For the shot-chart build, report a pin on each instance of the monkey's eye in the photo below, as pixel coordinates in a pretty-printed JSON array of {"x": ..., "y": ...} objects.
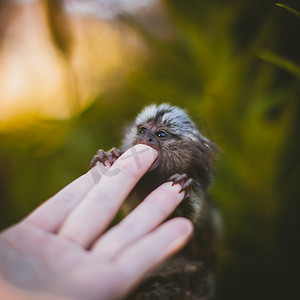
[
  {"x": 161, "y": 134},
  {"x": 142, "y": 130}
]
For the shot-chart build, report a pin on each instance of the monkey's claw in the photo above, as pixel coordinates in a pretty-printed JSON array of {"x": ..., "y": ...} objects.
[
  {"x": 184, "y": 181},
  {"x": 110, "y": 156}
]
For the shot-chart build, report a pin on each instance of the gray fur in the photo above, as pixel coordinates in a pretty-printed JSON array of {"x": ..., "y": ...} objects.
[{"x": 175, "y": 118}]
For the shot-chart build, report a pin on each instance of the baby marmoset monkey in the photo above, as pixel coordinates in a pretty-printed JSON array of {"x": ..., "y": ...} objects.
[{"x": 185, "y": 156}]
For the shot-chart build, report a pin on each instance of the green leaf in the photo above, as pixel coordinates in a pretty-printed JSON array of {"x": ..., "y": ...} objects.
[
  {"x": 291, "y": 10},
  {"x": 280, "y": 62}
]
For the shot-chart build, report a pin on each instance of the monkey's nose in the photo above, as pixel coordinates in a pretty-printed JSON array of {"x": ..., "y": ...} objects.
[
  {"x": 148, "y": 137},
  {"x": 148, "y": 140}
]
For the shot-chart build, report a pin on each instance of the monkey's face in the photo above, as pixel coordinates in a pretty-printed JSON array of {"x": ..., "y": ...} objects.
[
  {"x": 155, "y": 136},
  {"x": 173, "y": 152}
]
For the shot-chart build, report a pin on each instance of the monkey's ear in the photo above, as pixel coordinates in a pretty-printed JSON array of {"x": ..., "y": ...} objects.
[
  {"x": 129, "y": 133},
  {"x": 214, "y": 148},
  {"x": 195, "y": 136}
]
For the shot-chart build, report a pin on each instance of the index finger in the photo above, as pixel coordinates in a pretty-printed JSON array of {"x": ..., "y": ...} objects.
[
  {"x": 94, "y": 213},
  {"x": 52, "y": 212}
]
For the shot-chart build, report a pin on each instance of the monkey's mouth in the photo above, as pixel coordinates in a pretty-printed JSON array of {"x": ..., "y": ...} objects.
[{"x": 154, "y": 165}]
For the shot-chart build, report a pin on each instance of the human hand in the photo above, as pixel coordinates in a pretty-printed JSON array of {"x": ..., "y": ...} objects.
[{"x": 61, "y": 250}]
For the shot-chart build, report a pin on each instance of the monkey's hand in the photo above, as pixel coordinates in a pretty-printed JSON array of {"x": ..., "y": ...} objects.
[
  {"x": 106, "y": 157},
  {"x": 184, "y": 181}
]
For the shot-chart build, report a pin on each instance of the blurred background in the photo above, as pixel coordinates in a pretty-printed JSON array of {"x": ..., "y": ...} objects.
[{"x": 73, "y": 73}]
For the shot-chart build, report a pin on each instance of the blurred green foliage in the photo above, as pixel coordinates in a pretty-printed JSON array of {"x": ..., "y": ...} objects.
[
  {"x": 220, "y": 64},
  {"x": 291, "y": 10}
]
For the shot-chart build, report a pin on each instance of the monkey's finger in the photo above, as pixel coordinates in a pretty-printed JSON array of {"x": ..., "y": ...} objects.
[
  {"x": 152, "y": 249},
  {"x": 116, "y": 152},
  {"x": 102, "y": 156},
  {"x": 173, "y": 177},
  {"x": 52, "y": 213},
  {"x": 94, "y": 161},
  {"x": 187, "y": 184},
  {"x": 180, "y": 178},
  {"x": 94, "y": 213},
  {"x": 144, "y": 218},
  {"x": 110, "y": 158}
]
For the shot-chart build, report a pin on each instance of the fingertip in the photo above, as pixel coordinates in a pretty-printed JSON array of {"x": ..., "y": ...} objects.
[
  {"x": 137, "y": 159},
  {"x": 181, "y": 230},
  {"x": 173, "y": 188},
  {"x": 145, "y": 148},
  {"x": 184, "y": 226}
]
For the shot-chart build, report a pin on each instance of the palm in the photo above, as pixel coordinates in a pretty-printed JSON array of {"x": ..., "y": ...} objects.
[{"x": 57, "y": 249}]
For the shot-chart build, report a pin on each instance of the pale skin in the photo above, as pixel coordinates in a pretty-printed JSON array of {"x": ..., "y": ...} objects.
[{"x": 63, "y": 249}]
